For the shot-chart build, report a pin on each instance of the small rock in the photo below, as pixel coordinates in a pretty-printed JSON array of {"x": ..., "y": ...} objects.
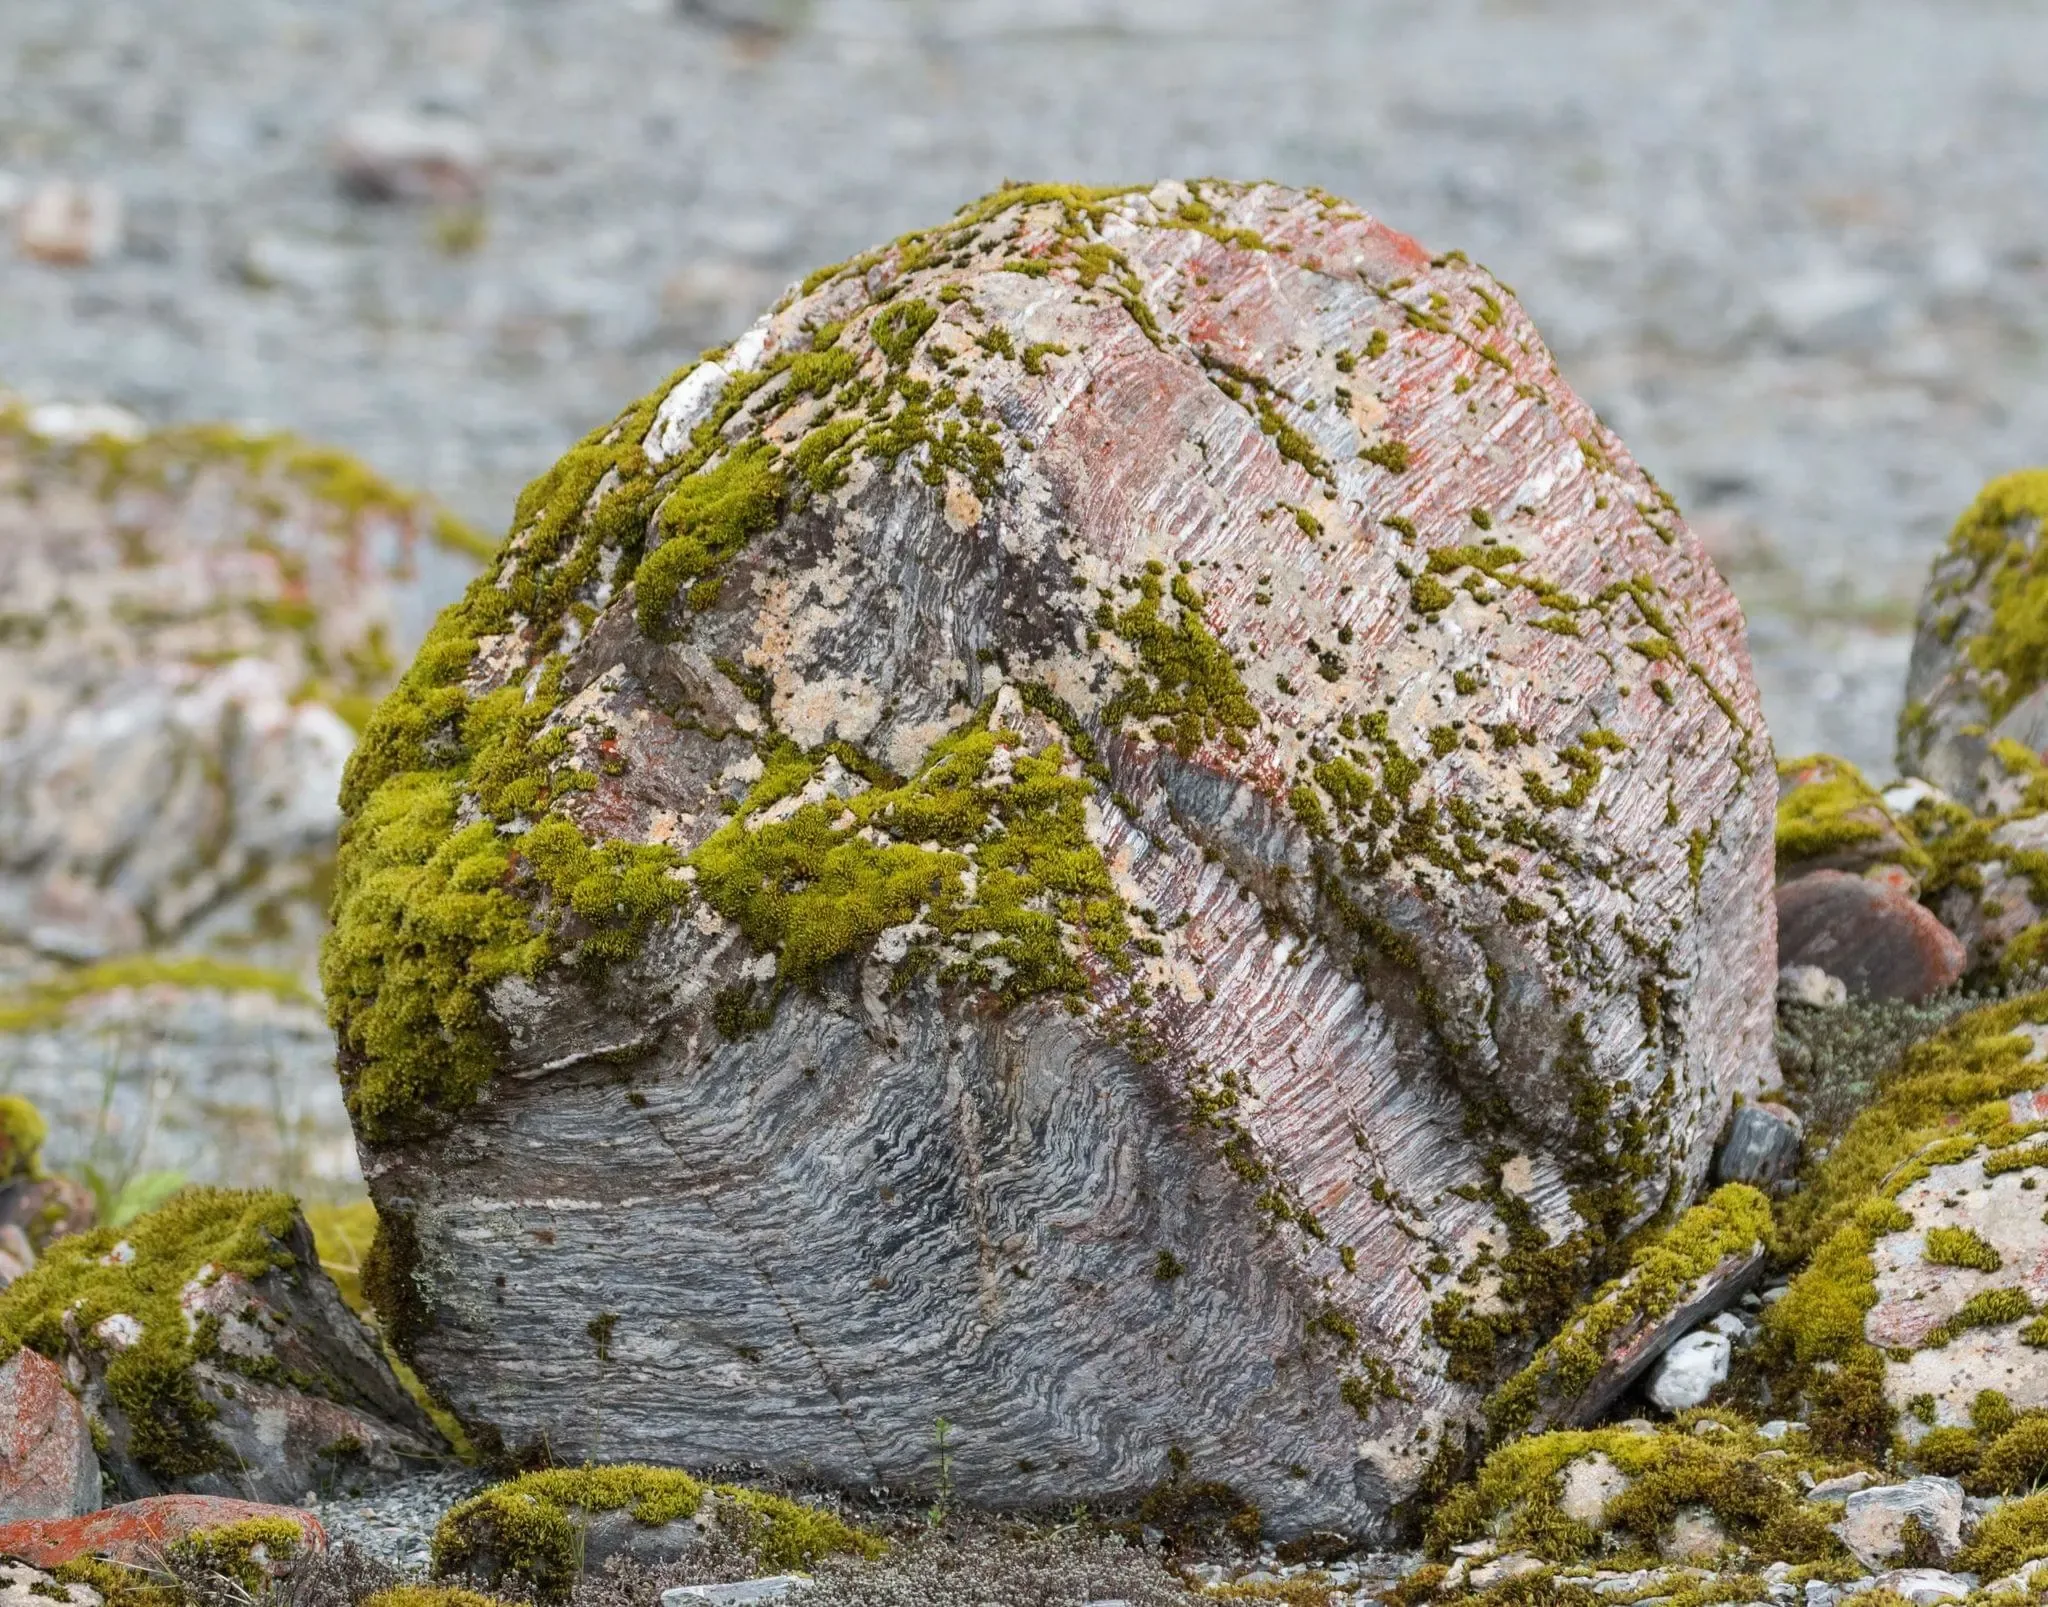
[
  {"x": 70, "y": 225},
  {"x": 23, "y": 1586},
  {"x": 397, "y": 156},
  {"x": 138, "y": 1531},
  {"x": 1872, "y": 1519},
  {"x": 1810, "y": 985},
  {"x": 1762, "y": 1146},
  {"x": 1589, "y": 1484},
  {"x": 1501, "y": 1569},
  {"x": 84, "y": 421},
  {"x": 1776, "y": 1429},
  {"x": 48, "y": 1468},
  {"x": 1924, "y": 1586},
  {"x": 1685, "y": 1375},
  {"x": 1903, "y": 797},
  {"x": 1819, "y": 1593},
  {"x": 737, "y": 1594},
  {"x": 1695, "y": 1535},
  {"x": 1840, "y": 1489},
  {"x": 2020, "y": 1579},
  {"x": 1731, "y": 1327},
  {"x": 1876, "y": 941}
]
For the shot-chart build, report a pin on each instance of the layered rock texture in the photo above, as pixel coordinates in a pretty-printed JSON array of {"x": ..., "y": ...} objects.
[
  {"x": 1126, "y": 826},
  {"x": 195, "y": 622}
]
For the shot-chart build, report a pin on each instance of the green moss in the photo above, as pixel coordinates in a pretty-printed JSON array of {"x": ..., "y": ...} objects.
[
  {"x": 247, "y": 1553},
  {"x": 1837, "y": 811},
  {"x": 526, "y": 1532},
  {"x": 706, "y": 520},
  {"x": 2014, "y": 1534},
  {"x": 1186, "y": 690},
  {"x": 46, "y": 1002},
  {"x": 1988, "y": 1308},
  {"x": 81, "y": 1283},
  {"x": 430, "y": 1596},
  {"x": 1734, "y": 1221},
  {"x": 2016, "y": 1460},
  {"x": 1999, "y": 533},
  {"x": 22, "y": 1132},
  {"x": 1960, "y": 1247},
  {"x": 817, "y": 886},
  {"x": 1750, "y": 1486},
  {"x": 1389, "y": 455}
]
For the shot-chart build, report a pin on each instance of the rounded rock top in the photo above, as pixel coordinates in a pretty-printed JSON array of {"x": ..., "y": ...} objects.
[{"x": 1185, "y": 644}]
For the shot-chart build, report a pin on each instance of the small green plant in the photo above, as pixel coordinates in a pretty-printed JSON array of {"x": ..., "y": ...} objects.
[{"x": 941, "y": 1440}]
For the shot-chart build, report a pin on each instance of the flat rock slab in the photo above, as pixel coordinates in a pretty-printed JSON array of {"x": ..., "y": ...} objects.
[
  {"x": 48, "y": 1468},
  {"x": 137, "y": 1531},
  {"x": 1876, "y": 939}
]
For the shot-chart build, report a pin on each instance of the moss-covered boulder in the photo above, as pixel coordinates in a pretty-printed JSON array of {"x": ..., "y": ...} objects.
[
  {"x": 537, "y": 1534},
  {"x": 214, "y": 1356},
  {"x": 1126, "y": 826},
  {"x": 1918, "y": 1311},
  {"x": 193, "y": 624},
  {"x": 1979, "y": 673}
]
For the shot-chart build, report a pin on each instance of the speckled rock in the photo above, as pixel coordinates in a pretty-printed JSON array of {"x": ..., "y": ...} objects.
[
  {"x": 136, "y": 1532},
  {"x": 193, "y": 621},
  {"x": 1977, "y": 673},
  {"x": 47, "y": 1465},
  {"x": 1125, "y": 785},
  {"x": 1873, "y": 1521},
  {"x": 1877, "y": 940}
]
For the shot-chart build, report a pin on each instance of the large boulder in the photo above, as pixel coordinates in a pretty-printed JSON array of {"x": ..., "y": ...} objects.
[
  {"x": 196, "y": 621},
  {"x": 1126, "y": 827}
]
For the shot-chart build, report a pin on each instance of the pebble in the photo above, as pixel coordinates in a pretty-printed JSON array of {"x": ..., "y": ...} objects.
[
  {"x": 70, "y": 224},
  {"x": 1685, "y": 1375}
]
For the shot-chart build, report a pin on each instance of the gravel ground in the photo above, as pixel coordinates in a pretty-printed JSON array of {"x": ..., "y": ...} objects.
[
  {"x": 396, "y": 1525},
  {"x": 1796, "y": 253}
]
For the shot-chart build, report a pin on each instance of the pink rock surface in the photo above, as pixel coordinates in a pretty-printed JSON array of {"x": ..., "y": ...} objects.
[
  {"x": 138, "y": 1531},
  {"x": 47, "y": 1465},
  {"x": 1875, "y": 938}
]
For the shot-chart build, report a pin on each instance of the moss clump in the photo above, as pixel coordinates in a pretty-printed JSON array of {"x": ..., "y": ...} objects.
[
  {"x": 2000, "y": 533},
  {"x": 45, "y": 1003},
  {"x": 1750, "y": 1486},
  {"x": 1831, "y": 814},
  {"x": 1187, "y": 690},
  {"x": 2016, "y": 1460},
  {"x": 823, "y": 882},
  {"x": 706, "y": 520},
  {"x": 247, "y": 1554},
  {"x": 2014, "y": 1534},
  {"x": 22, "y": 1131},
  {"x": 1734, "y": 1221},
  {"x": 1960, "y": 1247},
  {"x": 430, "y": 1596},
  {"x": 150, "y": 1380},
  {"x": 526, "y": 1530},
  {"x": 1945, "y": 1102}
]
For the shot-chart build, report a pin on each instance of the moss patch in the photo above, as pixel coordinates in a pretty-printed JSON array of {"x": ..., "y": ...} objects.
[
  {"x": 1735, "y": 1220},
  {"x": 1187, "y": 690},
  {"x": 2000, "y": 532},
  {"x": 150, "y": 1380},
  {"x": 46, "y": 1002},
  {"x": 526, "y": 1531},
  {"x": 1749, "y": 1485},
  {"x": 248, "y": 1554},
  {"x": 1831, "y": 813}
]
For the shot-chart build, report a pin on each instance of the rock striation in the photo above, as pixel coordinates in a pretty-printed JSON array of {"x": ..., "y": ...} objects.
[
  {"x": 1125, "y": 826},
  {"x": 195, "y": 623}
]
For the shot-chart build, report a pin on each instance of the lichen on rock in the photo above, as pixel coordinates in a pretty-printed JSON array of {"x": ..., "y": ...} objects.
[{"x": 986, "y": 721}]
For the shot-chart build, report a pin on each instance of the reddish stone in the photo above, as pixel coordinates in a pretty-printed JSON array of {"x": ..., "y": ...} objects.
[
  {"x": 139, "y": 1531},
  {"x": 48, "y": 1468},
  {"x": 1875, "y": 939}
]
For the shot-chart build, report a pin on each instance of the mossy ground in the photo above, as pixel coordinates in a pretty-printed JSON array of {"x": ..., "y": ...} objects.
[
  {"x": 46, "y": 1002},
  {"x": 527, "y": 1531},
  {"x": 85, "y": 1279},
  {"x": 1713, "y": 1460},
  {"x": 1833, "y": 812},
  {"x": 2000, "y": 533}
]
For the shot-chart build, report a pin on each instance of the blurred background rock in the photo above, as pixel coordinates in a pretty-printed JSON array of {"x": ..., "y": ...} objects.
[{"x": 1796, "y": 254}]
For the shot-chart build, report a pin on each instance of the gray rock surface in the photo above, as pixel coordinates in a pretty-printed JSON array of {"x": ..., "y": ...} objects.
[
  {"x": 1762, "y": 1146},
  {"x": 1339, "y": 912},
  {"x": 1685, "y": 1375},
  {"x": 1872, "y": 1520},
  {"x": 47, "y": 1465},
  {"x": 1794, "y": 255}
]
